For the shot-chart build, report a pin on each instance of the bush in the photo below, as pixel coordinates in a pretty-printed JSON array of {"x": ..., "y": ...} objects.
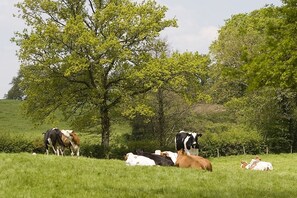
[
  {"x": 236, "y": 140},
  {"x": 15, "y": 144}
]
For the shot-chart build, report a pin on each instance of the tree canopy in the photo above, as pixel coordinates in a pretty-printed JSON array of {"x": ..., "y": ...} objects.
[{"x": 79, "y": 56}]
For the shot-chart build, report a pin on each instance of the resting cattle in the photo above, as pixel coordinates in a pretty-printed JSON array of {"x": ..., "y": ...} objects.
[
  {"x": 70, "y": 140},
  {"x": 186, "y": 140},
  {"x": 134, "y": 160},
  {"x": 169, "y": 154},
  {"x": 257, "y": 164},
  {"x": 159, "y": 159},
  {"x": 185, "y": 160},
  {"x": 51, "y": 138}
]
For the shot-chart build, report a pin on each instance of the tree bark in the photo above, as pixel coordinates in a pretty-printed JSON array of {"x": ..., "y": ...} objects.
[
  {"x": 161, "y": 117},
  {"x": 105, "y": 127}
]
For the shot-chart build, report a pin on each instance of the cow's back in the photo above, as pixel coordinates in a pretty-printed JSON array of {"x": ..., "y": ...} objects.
[{"x": 204, "y": 162}]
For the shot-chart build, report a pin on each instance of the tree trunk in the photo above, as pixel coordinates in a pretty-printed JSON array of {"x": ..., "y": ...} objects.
[
  {"x": 161, "y": 117},
  {"x": 105, "y": 126}
]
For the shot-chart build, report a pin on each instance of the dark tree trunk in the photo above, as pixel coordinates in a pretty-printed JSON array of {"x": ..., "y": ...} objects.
[
  {"x": 105, "y": 126},
  {"x": 161, "y": 118}
]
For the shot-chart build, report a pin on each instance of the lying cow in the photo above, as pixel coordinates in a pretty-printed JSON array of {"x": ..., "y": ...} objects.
[
  {"x": 169, "y": 154},
  {"x": 186, "y": 140},
  {"x": 134, "y": 160},
  {"x": 257, "y": 164},
  {"x": 159, "y": 159},
  {"x": 185, "y": 160}
]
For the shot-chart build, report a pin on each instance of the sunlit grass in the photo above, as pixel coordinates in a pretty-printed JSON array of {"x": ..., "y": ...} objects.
[{"x": 26, "y": 175}]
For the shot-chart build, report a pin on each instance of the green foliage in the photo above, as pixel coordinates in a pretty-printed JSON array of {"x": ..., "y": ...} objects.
[
  {"x": 235, "y": 140},
  {"x": 15, "y": 92},
  {"x": 78, "y": 56},
  {"x": 36, "y": 176},
  {"x": 254, "y": 72}
]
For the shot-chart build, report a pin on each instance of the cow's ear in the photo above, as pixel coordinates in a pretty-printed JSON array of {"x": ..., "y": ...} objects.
[{"x": 199, "y": 134}]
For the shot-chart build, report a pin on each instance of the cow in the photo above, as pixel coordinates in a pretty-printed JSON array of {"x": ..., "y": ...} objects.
[
  {"x": 169, "y": 154},
  {"x": 257, "y": 164},
  {"x": 70, "y": 140},
  {"x": 138, "y": 160},
  {"x": 186, "y": 140},
  {"x": 185, "y": 160},
  {"x": 51, "y": 138},
  {"x": 159, "y": 159}
]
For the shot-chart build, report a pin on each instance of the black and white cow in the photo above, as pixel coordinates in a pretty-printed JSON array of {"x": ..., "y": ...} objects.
[
  {"x": 159, "y": 159},
  {"x": 186, "y": 140},
  {"x": 51, "y": 138}
]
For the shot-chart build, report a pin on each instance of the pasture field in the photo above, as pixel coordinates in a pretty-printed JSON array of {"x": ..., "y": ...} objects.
[
  {"x": 14, "y": 122},
  {"x": 27, "y": 175},
  {"x": 14, "y": 125}
]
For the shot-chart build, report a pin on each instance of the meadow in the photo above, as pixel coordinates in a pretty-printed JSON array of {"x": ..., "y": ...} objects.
[{"x": 27, "y": 175}]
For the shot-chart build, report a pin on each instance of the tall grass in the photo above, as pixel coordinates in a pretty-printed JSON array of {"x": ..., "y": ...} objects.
[{"x": 26, "y": 175}]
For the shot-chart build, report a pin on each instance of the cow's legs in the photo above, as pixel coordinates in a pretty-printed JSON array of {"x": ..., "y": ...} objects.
[
  {"x": 51, "y": 144},
  {"x": 77, "y": 152}
]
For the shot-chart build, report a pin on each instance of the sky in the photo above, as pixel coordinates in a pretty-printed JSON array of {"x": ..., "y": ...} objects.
[{"x": 198, "y": 22}]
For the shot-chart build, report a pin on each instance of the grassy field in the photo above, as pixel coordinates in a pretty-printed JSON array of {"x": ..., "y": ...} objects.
[
  {"x": 13, "y": 123},
  {"x": 26, "y": 175}
]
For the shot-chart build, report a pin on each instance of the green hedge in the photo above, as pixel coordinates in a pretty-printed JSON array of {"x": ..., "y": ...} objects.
[{"x": 233, "y": 142}]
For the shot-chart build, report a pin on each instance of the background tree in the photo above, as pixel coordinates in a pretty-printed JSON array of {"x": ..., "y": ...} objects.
[
  {"x": 179, "y": 83},
  {"x": 80, "y": 56},
  {"x": 257, "y": 50},
  {"x": 15, "y": 92}
]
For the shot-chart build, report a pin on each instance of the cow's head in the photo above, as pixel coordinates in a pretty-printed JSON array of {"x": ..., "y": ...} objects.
[{"x": 193, "y": 141}]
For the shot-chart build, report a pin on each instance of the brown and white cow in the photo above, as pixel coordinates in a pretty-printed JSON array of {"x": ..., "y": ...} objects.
[
  {"x": 185, "y": 160},
  {"x": 58, "y": 140},
  {"x": 70, "y": 140},
  {"x": 257, "y": 164}
]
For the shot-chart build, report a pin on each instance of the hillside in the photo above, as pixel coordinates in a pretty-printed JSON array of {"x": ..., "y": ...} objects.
[{"x": 12, "y": 120}]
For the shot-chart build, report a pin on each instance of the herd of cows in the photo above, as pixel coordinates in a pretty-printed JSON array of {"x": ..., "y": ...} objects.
[{"x": 59, "y": 140}]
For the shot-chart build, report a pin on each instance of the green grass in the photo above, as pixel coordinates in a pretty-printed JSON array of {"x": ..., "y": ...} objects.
[
  {"x": 26, "y": 175},
  {"x": 14, "y": 123}
]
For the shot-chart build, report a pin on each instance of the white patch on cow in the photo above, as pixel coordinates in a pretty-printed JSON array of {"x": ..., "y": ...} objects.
[
  {"x": 194, "y": 136},
  {"x": 185, "y": 145},
  {"x": 67, "y": 133}
]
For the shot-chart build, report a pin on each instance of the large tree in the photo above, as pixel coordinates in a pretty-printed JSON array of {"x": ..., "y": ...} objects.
[
  {"x": 79, "y": 56},
  {"x": 257, "y": 52}
]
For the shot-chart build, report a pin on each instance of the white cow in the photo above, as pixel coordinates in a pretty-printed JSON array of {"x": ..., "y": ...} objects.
[
  {"x": 257, "y": 165},
  {"x": 138, "y": 160}
]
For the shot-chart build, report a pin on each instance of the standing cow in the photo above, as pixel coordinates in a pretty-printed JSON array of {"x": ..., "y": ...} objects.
[
  {"x": 52, "y": 137},
  {"x": 186, "y": 140}
]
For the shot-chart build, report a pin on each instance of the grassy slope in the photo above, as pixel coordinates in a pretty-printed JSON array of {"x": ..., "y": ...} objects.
[
  {"x": 25, "y": 175},
  {"x": 13, "y": 122}
]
